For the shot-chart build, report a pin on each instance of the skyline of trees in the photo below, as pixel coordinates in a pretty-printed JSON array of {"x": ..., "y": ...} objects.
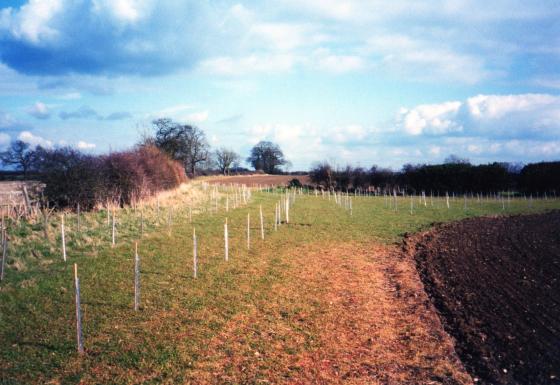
[{"x": 188, "y": 145}]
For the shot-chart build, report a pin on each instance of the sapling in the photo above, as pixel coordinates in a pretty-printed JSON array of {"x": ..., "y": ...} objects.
[
  {"x": 4, "y": 252},
  {"x": 248, "y": 231},
  {"x": 79, "y": 339},
  {"x": 262, "y": 222},
  {"x": 136, "y": 278},
  {"x": 195, "y": 255},
  {"x": 226, "y": 241},
  {"x": 63, "y": 238}
]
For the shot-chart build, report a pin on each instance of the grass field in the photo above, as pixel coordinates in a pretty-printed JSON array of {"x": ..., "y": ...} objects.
[{"x": 289, "y": 310}]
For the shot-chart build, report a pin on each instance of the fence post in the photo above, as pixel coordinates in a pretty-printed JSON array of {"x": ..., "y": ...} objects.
[{"x": 79, "y": 339}]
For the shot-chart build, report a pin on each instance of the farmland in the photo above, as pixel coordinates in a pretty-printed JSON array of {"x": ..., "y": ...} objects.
[
  {"x": 327, "y": 298},
  {"x": 256, "y": 180}
]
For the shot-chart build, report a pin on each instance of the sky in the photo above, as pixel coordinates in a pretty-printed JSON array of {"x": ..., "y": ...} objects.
[{"x": 358, "y": 82}]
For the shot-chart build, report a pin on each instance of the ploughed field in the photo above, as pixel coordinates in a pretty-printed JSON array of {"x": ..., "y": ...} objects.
[
  {"x": 496, "y": 284},
  {"x": 258, "y": 179}
]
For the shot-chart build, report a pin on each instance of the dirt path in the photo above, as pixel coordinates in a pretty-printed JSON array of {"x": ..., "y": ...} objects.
[{"x": 347, "y": 314}]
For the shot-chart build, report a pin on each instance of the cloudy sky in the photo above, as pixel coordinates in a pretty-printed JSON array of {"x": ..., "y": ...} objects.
[{"x": 351, "y": 81}]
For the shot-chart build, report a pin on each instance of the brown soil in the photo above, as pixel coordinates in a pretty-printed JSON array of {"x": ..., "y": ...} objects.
[
  {"x": 259, "y": 179},
  {"x": 496, "y": 283},
  {"x": 347, "y": 314}
]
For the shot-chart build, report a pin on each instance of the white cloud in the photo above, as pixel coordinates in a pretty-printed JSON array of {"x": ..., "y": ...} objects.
[
  {"x": 34, "y": 140},
  {"x": 434, "y": 150},
  {"x": 4, "y": 140},
  {"x": 197, "y": 117},
  {"x": 425, "y": 59},
  {"x": 174, "y": 110},
  {"x": 129, "y": 11},
  {"x": 514, "y": 116},
  {"x": 8, "y": 121},
  {"x": 39, "y": 110},
  {"x": 181, "y": 113},
  {"x": 434, "y": 119},
  {"x": 326, "y": 61},
  {"x": 33, "y": 21},
  {"x": 70, "y": 96},
  {"x": 82, "y": 145},
  {"x": 255, "y": 63}
]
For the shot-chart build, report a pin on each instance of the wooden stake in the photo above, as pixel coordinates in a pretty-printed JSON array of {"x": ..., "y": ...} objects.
[
  {"x": 287, "y": 210},
  {"x": 113, "y": 230},
  {"x": 79, "y": 218},
  {"x": 262, "y": 222},
  {"x": 79, "y": 340},
  {"x": 142, "y": 221},
  {"x": 195, "y": 255},
  {"x": 63, "y": 238},
  {"x": 136, "y": 278},
  {"x": 248, "y": 231},
  {"x": 4, "y": 253},
  {"x": 226, "y": 242},
  {"x": 276, "y": 217}
]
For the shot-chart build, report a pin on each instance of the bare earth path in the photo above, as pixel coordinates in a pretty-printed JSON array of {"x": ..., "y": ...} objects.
[{"x": 347, "y": 314}]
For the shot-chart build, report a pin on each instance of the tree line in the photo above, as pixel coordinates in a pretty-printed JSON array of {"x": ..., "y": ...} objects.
[
  {"x": 188, "y": 145},
  {"x": 160, "y": 160},
  {"x": 454, "y": 175},
  {"x": 172, "y": 151}
]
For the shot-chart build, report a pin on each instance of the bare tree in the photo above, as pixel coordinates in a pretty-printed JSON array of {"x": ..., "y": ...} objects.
[
  {"x": 225, "y": 159},
  {"x": 184, "y": 143},
  {"x": 19, "y": 155}
]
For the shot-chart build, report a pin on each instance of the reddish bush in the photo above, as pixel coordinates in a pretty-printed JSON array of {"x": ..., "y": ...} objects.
[
  {"x": 141, "y": 172},
  {"x": 127, "y": 176}
]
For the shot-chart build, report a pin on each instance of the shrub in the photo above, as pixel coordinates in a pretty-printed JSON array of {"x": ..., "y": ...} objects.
[{"x": 72, "y": 177}]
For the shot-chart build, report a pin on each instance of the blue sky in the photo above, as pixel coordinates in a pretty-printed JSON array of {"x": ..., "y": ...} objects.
[{"x": 350, "y": 81}]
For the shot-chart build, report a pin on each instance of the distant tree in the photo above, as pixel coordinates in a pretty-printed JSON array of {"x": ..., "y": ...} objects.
[
  {"x": 19, "y": 155},
  {"x": 267, "y": 156},
  {"x": 455, "y": 159},
  {"x": 322, "y": 174},
  {"x": 540, "y": 177},
  {"x": 184, "y": 143},
  {"x": 225, "y": 159}
]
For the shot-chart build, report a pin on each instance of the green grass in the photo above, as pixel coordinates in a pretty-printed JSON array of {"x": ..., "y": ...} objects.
[{"x": 165, "y": 341}]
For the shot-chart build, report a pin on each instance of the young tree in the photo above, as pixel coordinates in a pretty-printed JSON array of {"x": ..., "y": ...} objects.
[
  {"x": 225, "y": 159},
  {"x": 19, "y": 155},
  {"x": 184, "y": 143},
  {"x": 267, "y": 156},
  {"x": 322, "y": 174}
]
